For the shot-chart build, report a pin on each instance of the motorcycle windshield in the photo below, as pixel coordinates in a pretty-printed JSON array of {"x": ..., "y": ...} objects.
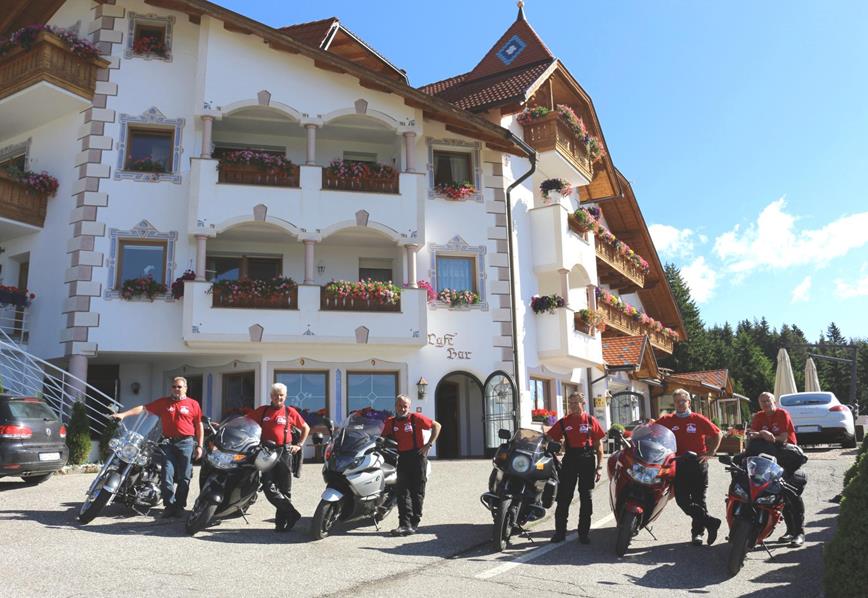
[
  {"x": 530, "y": 441},
  {"x": 653, "y": 443},
  {"x": 145, "y": 424},
  {"x": 238, "y": 434},
  {"x": 761, "y": 471},
  {"x": 358, "y": 430}
]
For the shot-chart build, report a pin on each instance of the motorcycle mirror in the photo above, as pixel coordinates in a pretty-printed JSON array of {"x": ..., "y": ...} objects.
[
  {"x": 725, "y": 459},
  {"x": 317, "y": 439},
  {"x": 330, "y": 425},
  {"x": 504, "y": 434}
]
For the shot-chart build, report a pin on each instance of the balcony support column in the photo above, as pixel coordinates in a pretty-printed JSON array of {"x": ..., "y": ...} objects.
[
  {"x": 207, "y": 128},
  {"x": 592, "y": 297},
  {"x": 564, "y": 276},
  {"x": 410, "y": 151},
  {"x": 78, "y": 368},
  {"x": 200, "y": 257},
  {"x": 411, "y": 266},
  {"x": 309, "y": 261},
  {"x": 310, "y": 159}
]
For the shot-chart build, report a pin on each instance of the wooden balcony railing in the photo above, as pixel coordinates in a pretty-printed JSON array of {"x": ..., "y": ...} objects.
[
  {"x": 662, "y": 341},
  {"x": 328, "y": 302},
  {"x": 370, "y": 183},
  {"x": 620, "y": 323},
  {"x": 551, "y": 133},
  {"x": 252, "y": 174},
  {"x": 619, "y": 265},
  {"x": 221, "y": 298},
  {"x": 19, "y": 203},
  {"x": 49, "y": 59}
]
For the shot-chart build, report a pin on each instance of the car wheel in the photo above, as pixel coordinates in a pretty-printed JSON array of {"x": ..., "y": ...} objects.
[
  {"x": 849, "y": 442},
  {"x": 34, "y": 480}
]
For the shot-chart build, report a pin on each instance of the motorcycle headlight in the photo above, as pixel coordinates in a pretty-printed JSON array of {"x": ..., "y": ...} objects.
[
  {"x": 115, "y": 444},
  {"x": 521, "y": 463},
  {"x": 644, "y": 475},
  {"x": 224, "y": 460},
  {"x": 766, "y": 500},
  {"x": 129, "y": 452}
]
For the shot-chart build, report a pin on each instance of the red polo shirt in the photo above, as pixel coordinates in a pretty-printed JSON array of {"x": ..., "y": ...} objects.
[
  {"x": 276, "y": 422},
  {"x": 690, "y": 432},
  {"x": 179, "y": 418},
  {"x": 778, "y": 422},
  {"x": 401, "y": 430},
  {"x": 580, "y": 430}
]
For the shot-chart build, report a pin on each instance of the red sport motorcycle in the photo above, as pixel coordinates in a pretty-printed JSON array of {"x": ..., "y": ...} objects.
[
  {"x": 754, "y": 504},
  {"x": 640, "y": 480}
]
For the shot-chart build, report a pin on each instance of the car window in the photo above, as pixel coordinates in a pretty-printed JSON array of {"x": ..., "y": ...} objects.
[
  {"x": 27, "y": 410},
  {"x": 805, "y": 399}
]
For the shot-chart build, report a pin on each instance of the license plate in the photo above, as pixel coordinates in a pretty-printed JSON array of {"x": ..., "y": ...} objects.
[
  {"x": 807, "y": 429},
  {"x": 49, "y": 456}
]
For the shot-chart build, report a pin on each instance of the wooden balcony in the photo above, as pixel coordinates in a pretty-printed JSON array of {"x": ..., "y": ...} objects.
[
  {"x": 369, "y": 183},
  {"x": 619, "y": 324},
  {"x": 551, "y": 134},
  {"x": 328, "y": 302},
  {"x": 617, "y": 270},
  {"x": 252, "y": 174},
  {"x": 221, "y": 298},
  {"x": 20, "y": 204}
]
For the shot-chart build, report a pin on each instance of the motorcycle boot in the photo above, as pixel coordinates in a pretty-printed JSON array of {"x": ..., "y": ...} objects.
[
  {"x": 560, "y": 536},
  {"x": 291, "y": 518}
]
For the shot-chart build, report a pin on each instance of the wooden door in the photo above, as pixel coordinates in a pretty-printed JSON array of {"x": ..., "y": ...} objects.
[{"x": 448, "y": 414}]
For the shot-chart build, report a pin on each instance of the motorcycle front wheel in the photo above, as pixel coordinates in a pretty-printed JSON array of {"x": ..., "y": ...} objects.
[
  {"x": 92, "y": 507},
  {"x": 200, "y": 518},
  {"x": 739, "y": 537},
  {"x": 504, "y": 521},
  {"x": 626, "y": 530},
  {"x": 324, "y": 518}
]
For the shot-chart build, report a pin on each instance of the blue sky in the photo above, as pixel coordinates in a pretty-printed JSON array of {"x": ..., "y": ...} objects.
[{"x": 742, "y": 126}]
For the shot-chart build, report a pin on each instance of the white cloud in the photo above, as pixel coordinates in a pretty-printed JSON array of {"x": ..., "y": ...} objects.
[
  {"x": 773, "y": 241},
  {"x": 674, "y": 242},
  {"x": 802, "y": 291},
  {"x": 700, "y": 278},
  {"x": 857, "y": 288}
]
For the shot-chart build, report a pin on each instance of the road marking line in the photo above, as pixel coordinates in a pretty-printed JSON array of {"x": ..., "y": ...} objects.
[{"x": 537, "y": 552}]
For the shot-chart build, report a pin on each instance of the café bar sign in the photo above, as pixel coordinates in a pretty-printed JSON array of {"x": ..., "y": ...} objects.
[{"x": 447, "y": 341}]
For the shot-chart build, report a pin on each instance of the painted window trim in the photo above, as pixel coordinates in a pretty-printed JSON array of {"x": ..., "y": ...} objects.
[
  {"x": 151, "y": 118},
  {"x": 143, "y": 231},
  {"x": 458, "y": 247},
  {"x": 149, "y": 19},
  {"x": 325, "y": 373},
  {"x": 452, "y": 145}
]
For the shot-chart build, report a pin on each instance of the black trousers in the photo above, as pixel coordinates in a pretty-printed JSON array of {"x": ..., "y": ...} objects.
[
  {"x": 410, "y": 487},
  {"x": 277, "y": 485},
  {"x": 794, "y": 506},
  {"x": 691, "y": 484},
  {"x": 578, "y": 467}
]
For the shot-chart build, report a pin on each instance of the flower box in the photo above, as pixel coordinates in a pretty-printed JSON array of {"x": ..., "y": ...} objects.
[
  {"x": 278, "y": 293},
  {"x": 255, "y": 174},
  {"x": 346, "y": 175},
  {"x": 15, "y": 296},
  {"x": 335, "y": 303},
  {"x": 362, "y": 295}
]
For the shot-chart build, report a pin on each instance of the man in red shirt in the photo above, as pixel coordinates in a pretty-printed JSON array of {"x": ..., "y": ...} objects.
[
  {"x": 581, "y": 434},
  {"x": 405, "y": 428},
  {"x": 697, "y": 434},
  {"x": 277, "y": 421},
  {"x": 181, "y": 418},
  {"x": 773, "y": 425}
]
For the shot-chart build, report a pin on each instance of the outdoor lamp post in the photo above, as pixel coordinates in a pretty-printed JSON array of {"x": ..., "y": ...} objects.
[{"x": 421, "y": 388}]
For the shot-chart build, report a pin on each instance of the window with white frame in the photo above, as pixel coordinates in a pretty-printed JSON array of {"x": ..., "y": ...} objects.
[
  {"x": 454, "y": 169},
  {"x": 456, "y": 272},
  {"x": 149, "y": 37}
]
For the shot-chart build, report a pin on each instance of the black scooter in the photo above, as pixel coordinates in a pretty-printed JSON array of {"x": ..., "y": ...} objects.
[{"x": 230, "y": 474}]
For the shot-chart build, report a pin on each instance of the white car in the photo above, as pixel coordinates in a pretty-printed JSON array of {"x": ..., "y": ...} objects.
[{"x": 819, "y": 417}]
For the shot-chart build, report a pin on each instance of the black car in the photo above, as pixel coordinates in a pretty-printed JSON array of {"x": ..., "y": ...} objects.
[{"x": 32, "y": 439}]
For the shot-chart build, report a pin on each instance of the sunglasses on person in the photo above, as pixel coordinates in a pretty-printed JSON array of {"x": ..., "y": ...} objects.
[{"x": 177, "y": 386}]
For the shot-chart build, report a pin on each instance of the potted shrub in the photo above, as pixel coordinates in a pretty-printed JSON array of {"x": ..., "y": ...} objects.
[
  {"x": 544, "y": 416},
  {"x": 178, "y": 284},
  {"x": 15, "y": 296},
  {"x": 550, "y": 186},
  {"x": 592, "y": 320},
  {"x": 455, "y": 191},
  {"x": 458, "y": 298},
  {"x": 546, "y": 303},
  {"x": 39, "y": 183},
  {"x": 146, "y": 286}
]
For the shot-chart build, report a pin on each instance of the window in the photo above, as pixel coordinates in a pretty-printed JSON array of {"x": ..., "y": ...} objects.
[
  {"x": 149, "y": 39},
  {"x": 456, "y": 273},
  {"x": 568, "y": 390},
  {"x": 374, "y": 390},
  {"x": 149, "y": 150},
  {"x": 452, "y": 168},
  {"x": 139, "y": 259},
  {"x": 307, "y": 392},
  {"x": 18, "y": 162},
  {"x": 237, "y": 267},
  {"x": 364, "y": 157},
  {"x": 540, "y": 393},
  {"x": 376, "y": 269}
]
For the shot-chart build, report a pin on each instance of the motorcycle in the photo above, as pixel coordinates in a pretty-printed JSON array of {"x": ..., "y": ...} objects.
[
  {"x": 754, "y": 504},
  {"x": 641, "y": 477},
  {"x": 131, "y": 474},
  {"x": 360, "y": 474},
  {"x": 231, "y": 473},
  {"x": 523, "y": 483}
]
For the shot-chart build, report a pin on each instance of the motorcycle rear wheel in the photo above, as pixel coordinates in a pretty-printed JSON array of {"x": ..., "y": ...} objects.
[
  {"x": 91, "y": 508},
  {"x": 626, "y": 530},
  {"x": 739, "y": 537},
  {"x": 200, "y": 518},
  {"x": 504, "y": 522},
  {"x": 324, "y": 518}
]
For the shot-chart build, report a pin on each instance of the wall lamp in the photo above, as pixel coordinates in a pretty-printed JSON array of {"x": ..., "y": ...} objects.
[{"x": 421, "y": 388}]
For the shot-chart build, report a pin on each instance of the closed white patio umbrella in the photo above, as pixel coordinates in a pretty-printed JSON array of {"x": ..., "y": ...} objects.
[
  {"x": 812, "y": 380},
  {"x": 785, "y": 382}
]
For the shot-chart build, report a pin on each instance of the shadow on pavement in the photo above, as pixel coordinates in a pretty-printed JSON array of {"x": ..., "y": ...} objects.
[{"x": 449, "y": 540}]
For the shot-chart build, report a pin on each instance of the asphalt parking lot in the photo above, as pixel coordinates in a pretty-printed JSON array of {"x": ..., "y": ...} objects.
[{"x": 125, "y": 554}]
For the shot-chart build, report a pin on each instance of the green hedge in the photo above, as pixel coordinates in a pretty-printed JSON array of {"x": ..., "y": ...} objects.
[
  {"x": 846, "y": 556},
  {"x": 78, "y": 435},
  {"x": 850, "y": 474}
]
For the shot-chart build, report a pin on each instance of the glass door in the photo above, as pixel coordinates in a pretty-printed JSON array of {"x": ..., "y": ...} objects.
[{"x": 499, "y": 409}]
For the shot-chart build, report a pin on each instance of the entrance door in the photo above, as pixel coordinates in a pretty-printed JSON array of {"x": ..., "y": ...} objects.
[
  {"x": 106, "y": 378},
  {"x": 448, "y": 405},
  {"x": 194, "y": 387},
  {"x": 20, "y": 328},
  {"x": 500, "y": 409},
  {"x": 238, "y": 392}
]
